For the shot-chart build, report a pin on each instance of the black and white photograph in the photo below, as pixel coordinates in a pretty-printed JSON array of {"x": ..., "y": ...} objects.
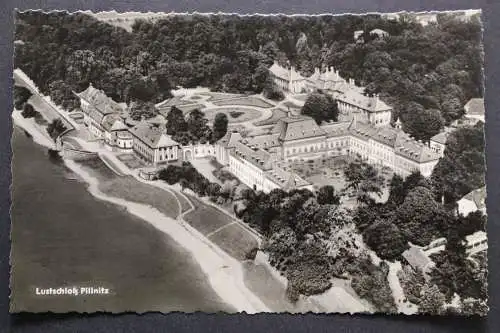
[{"x": 225, "y": 163}]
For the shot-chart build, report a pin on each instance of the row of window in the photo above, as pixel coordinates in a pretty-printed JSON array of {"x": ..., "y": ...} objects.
[{"x": 308, "y": 149}]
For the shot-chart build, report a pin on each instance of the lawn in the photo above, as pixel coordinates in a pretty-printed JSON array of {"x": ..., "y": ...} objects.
[
  {"x": 177, "y": 101},
  {"x": 206, "y": 218},
  {"x": 131, "y": 161},
  {"x": 301, "y": 97},
  {"x": 185, "y": 206},
  {"x": 234, "y": 115},
  {"x": 188, "y": 108},
  {"x": 235, "y": 240},
  {"x": 130, "y": 189},
  {"x": 291, "y": 105},
  {"x": 218, "y": 96},
  {"x": 277, "y": 115},
  {"x": 245, "y": 101}
]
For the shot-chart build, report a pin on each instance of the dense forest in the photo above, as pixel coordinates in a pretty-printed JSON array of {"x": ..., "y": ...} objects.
[{"x": 433, "y": 69}]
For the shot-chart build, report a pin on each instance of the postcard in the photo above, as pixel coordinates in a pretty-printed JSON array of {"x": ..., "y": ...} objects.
[{"x": 248, "y": 163}]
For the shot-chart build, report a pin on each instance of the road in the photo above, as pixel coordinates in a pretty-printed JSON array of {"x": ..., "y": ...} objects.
[{"x": 42, "y": 103}]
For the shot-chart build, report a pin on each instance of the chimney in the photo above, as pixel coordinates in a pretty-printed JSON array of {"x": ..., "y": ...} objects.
[{"x": 331, "y": 68}]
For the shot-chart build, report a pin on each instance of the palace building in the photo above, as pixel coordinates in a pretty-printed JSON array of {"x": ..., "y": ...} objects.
[
  {"x": 153, "y": 144},
  {"x": 102, "y": 116},
  {"x": 264, "y": 161},
  {"x": 350, "y": 98}
]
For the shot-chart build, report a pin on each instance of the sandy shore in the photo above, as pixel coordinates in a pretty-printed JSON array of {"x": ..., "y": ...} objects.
[
  {"x": 225, "y": 274},
  {"x": 38, "y": 133}
]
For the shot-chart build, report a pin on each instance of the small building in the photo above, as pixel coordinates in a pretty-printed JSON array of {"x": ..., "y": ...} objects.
[
  {"x": 474, "y": 111},
  {"x": 96, "y": 106},
  {"x": 473, "y": 201},
  {"x": 153, "y": 145},
  {"x": 379, "y": 32},
  {"x": 476, "y": 242},
  {"x": 124, "y": 141},
  {"x": 358, "y": 34},
  {"x": 112, "y": 126},
  {"x": 418, "y": 259},
  {"x": 438, "y": 142}
]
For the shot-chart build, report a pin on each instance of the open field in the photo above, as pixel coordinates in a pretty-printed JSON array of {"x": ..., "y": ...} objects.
[
  {"x": 245, "y": 101},
  {"x": 277, "y": 115},
  {"x": 234, "y": 115}
]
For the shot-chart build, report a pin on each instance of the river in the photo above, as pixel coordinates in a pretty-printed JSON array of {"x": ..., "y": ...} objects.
[{"x": 62, "y": 237}]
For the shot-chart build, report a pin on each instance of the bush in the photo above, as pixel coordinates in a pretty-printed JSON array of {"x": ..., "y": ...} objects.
[
  {"x": 21, "y": 96},
  {"x": 251, "y": 254},
  {"x": 29, "y": 111}
]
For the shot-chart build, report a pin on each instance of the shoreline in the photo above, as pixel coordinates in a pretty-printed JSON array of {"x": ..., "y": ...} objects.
[
  {"x": 224, "y": 276},
  {"x": 224, "y": 273}
]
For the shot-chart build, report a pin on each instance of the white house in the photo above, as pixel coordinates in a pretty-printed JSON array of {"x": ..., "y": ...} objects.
[
  {"x": 474, "y": 110},
  {"x": 473, "y": 201},
  {"x": 438, "y": 142},
  {"x": 476, "y": 242},
  {"x": 153, "y": 144}
]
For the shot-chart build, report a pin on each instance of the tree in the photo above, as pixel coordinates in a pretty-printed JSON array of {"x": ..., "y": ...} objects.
[
  {"x": 184, "y": 184},
  {"x": 140, "y": 110},
  {"x": 423, "y": 124},
  {"x": 462, "y": 168},
  {"x": 29, "y": 111},
  {"x": 197, "y": 125},
  {"x": 431, "y": 300},
  {"x": 418, "y": 216},
  {"x": 21, "y": 96},
  {"x": 220, "y": 126},
  {"x": 213, "y": 189},
  {"x": 62, "y": 94},
  {"x": 397, "y": 191},
  {"x": 270, "y": 90},
  {"x": 320, "y": 107},
  {"x": 326, "y": 195},
  {"x": 385, "y": 238},
  {"x": 364, "y": 179},
  {"x": 55, "y": 128},
  {"x": 175, "y": 121}
]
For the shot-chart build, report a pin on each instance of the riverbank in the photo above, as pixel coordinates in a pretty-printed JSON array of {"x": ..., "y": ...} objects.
[
  {"x": 63, "y": 236},
  {"x": 37, "y": 132},
  {"x": 224, "y": 273},
  {"x": 246, "y": 286}
]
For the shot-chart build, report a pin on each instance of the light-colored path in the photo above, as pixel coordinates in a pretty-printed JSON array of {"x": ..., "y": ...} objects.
[
  {"x": 397, "y": 291},
  {"x": 21, "y": 78}
]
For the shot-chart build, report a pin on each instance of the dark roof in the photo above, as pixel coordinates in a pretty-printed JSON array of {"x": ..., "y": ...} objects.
[
  {"x": 296, "y": 128},
  {"x": 153, "y": 136},
  {"x": 475, "y": 106},
  {"x": 99, "y": 100}
]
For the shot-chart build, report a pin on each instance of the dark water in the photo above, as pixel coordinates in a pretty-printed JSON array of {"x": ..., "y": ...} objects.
[{"x": 62, "y": 236}]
